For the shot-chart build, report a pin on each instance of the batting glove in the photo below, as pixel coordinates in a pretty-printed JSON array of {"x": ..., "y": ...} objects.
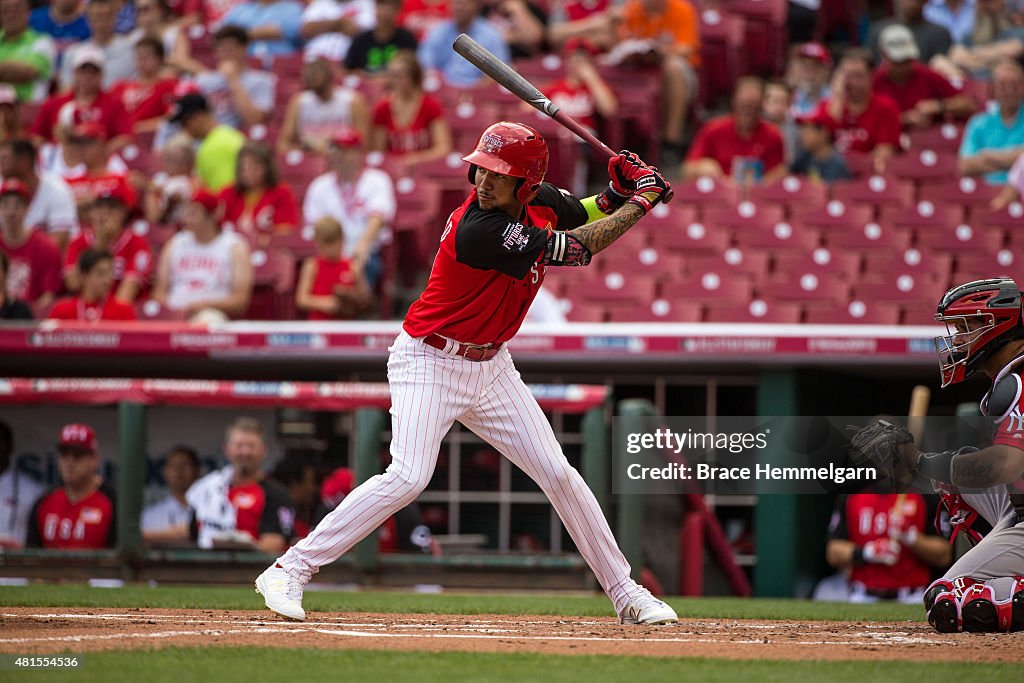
[{"x": 651, "y": 188}]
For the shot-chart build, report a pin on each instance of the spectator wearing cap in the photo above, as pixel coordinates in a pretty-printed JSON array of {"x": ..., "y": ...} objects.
[
  {"x": 95, "y": 301},
  {"x": 435, "y": 52},
  {"x": 204, "y": 271},
  {"x": 18, "y": 490},
  {"x": 86, "y": 102},
  {"x": 330, "y": 286},
  {"x": 10, "y": 308},
  {"x": 373, "y": 49},
  {"x": 170, "y": 518},
  {"x": 994, "y": 138},
  {"x": 809, "y": 72},
  {"x": 865, "y": 122},
  {"x": 408, "y": 123},
  {"x": 62, "y": 20},
  {"x": 108, "y": 231},
  {"x": 273, "y": 25},
  {"x": 26, "y": 56},
  {"x": 217, "y": 153},
  {"x": 96, "y": 174},
  {"x": 362, "y": 199},
  {"x": 52, "y": 209},
  {"x": 314, "y": 115},
  {"x": 818, "y": 158},
  {"x": 10, "y": 113},
  {"x": 328, "y": 27},
  {"x": 80, "y": 513},
  {"x": 738, "y": 143},
  {"x": 258, "y": 204},
  {"x": 923, "y": 95},
  {"x": 932, "y": 40},
  {"x": 118, "y": 63},
  {"x": 238, "y": 96},
  {"x": 148, "y": 99},
  {"x": 33, "y": 273}
]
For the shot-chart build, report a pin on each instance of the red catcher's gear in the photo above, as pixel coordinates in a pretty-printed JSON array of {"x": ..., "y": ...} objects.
[
  {"x": 980, "y": 317},
  {"x": 512, "y": 149}
]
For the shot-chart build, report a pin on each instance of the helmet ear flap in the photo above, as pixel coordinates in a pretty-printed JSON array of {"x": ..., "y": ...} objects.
[{"x": 472, "y": 174}]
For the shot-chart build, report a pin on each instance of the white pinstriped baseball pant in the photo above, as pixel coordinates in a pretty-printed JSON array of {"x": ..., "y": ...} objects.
[{"x": 431, "y": 389}]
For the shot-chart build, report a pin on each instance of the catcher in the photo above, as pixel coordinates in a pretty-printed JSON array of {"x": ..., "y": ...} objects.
[{"x": 984, "y": 590}]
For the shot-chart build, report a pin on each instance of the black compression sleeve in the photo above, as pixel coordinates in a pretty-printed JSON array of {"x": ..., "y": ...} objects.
[{"x": 936, "y": 466}]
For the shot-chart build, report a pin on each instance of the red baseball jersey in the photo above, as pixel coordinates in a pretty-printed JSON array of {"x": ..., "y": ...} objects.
[
  {"x": 144, "y": 101},
  {"x": 262, "y": 508},
  {"x": 1010, "y": 432},
  {"x": 924, "y": 84},
  {"x": 105, "y": 109},
  {"x": 865, "y": 517},
  {"x": 87, "y": 186},
  {"x": 719, "y": 140},
  {"x": 34, "y": 267},
  {"x": 488, "y": 269},
  {"x": 89, "y": 524},
  {"x": 878, "y": 124},
  {"x": 133, "y": 259},
  {"x": 576, "y": 101},
  {"x": 328, "y": 275},
  {"x": 272, "y": 211},
  {"x": 414, "y": 136},
  {"x": 74, "y": 308}
]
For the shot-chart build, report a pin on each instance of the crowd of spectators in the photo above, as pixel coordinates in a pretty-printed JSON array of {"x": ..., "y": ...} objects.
[{"x": 218, "y": 132}]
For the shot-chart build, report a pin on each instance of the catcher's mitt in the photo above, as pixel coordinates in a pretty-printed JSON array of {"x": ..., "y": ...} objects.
[{"x": 878, "y": 446}]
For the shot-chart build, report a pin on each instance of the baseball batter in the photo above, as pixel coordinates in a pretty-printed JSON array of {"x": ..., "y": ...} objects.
[
  {"x": 984, "y": 590},
  {"x": 450, "y": 362}
]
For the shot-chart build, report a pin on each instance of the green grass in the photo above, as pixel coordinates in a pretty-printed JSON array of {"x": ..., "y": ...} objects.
[
  {"x": 193, "y": 597},
  {"x": 250, "y": 664}
]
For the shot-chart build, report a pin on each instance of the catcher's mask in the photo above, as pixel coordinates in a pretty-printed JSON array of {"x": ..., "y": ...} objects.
[{"x": 980, "y": 317}]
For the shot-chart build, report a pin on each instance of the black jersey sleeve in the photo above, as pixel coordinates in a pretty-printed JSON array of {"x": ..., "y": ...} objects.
[
  {"x": 837, "y": 524},
  {"x": 491, "y": 240},
  {"x": 278, "y": 512},
  {"x": 570, "y": 210}
]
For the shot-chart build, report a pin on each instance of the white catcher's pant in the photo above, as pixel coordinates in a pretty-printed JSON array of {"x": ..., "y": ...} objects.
[{"x": 431, "y": 389}]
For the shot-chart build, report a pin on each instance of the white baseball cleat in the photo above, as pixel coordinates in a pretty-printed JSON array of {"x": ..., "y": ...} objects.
[
  {"x": 647, "y": 609},
  {"x": 281, "y": 592}
]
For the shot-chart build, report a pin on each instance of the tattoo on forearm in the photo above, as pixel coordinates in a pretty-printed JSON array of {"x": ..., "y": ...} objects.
[
  {"x": 599, "y": 234},
  {"x": 974, "y": 470}
]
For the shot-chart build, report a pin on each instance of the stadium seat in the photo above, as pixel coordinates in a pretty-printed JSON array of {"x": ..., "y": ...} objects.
[
  {"x": 921, "y": 313},
  {"x": 152, "y": 310},
  {"x": 579, "y": 310},
  {"x": 750, "y": 263},
  {"x": 820, "y": 261},
  {"x": 878, "y": 191},
  {"x": 621, "y": 288},
  {"x": 712, "y": 286},
  {"x": 465, "y": 119},
  {"x": 924, "y": 166},
  {"x": 792, "y": 192},
  {"x": 661, "y": 265},
  {"x": 1001, "y": 263},
  {"x": 780, "y": 236},
  {"x": 855, "y": 312},
  {"x": 924, "y": 215},
  {"x": 967, "y": 192},
  {"x": 960, "y": 238},
  {"x": 704, "y": 193},
  {"x": 900, "y": 287},
  {"x": 686, "y": 237},
  {"x": 638, "y": 91},
  {"x": 744, "y": 216},
  {"x": 722, "y": 56},
  {"x": 660, "y": 310},
  {"x": 914, "y": 261},
  {"x": 765, "y": 38},
  {"x": 298, "y": 242},
  {"x": 813, "y": 287},
  {"x": 756, "y": 311},
  {"x": 945, "y": 138},
  {"x": 273, "y": 295},
  {"x": 156, "y": 235},
  {"x": 1011, "y": 218},
  {"x": 872, "y": 237},
  {"x": 299, "y": 170},
  {"x": 835, "y": 215}
]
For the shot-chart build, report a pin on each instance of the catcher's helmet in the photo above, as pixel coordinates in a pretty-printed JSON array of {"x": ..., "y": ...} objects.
[
  {"x": 980, "y": 317},
  {"x": 512, "y": 149}
]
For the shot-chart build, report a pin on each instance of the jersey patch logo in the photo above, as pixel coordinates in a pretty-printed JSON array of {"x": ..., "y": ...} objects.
[
  {"x": 1016, "y": 423},
  {"x": 513, "y": 238}
]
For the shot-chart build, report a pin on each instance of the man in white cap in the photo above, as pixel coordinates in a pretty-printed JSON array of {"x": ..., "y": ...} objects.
[
  {"x": 931, "y": 39},
  {"x": 923, "y": 95},
  {"x": 86, "y": 102},
  {"x": 26, "y": 57},
  {"x": 118, "y": 51}
]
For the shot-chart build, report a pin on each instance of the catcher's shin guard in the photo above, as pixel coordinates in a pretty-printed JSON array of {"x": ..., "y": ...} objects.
[
  {"x": 995, "y": 606},
  {"x": 944, "y": 614},
  {"x": 956, "y": 586}
]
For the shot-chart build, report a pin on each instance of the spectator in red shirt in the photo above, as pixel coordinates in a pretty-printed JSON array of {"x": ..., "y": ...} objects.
[
  {"x": 419, "y": 16},
  {"x": 96, "y": 177},
  {"x": 864, "y": 121},
  {"x": 738, "y": 143},
  {"x": 923, "y": 95},
  {"x": 109, "y": 232},
  {"x": 148, "y": 99},
  {"x": 582, "y": 93},
  {"x": 331, "y": 287},
  {"x": 258, "y": 204},
  {"x": 407, "y": 122},
  {"x": 95, "y": 270},
  {"x": 79, "y": 514},
  {"x": 315, "y": 114},
  {"x": 85, "y": 102},
  {"x": 34, "y": 271}
]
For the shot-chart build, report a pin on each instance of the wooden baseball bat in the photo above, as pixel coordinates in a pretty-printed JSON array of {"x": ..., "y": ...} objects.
[
  {"x": 504, "y": 75},
  {"x": 920, "y": 398}
]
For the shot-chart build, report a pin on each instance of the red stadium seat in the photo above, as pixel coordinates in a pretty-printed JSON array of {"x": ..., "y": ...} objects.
[
  {"x": 1002, "y": 263},
  {"x": 688, "y": 238},
  {"x": 1011, "y": 217},
  {"x": 621, "y": 288},
  {"x": 722, "y": 56},
  {"x": 152, "y": 310},
  {"x": 809, "y": 287},
  {"x": 870, "y": 237},
  {"x": 744, "y": 216},
  {"x": 298, "y": 242},
  {"x": 299, "y": 170},
  {"x": 835, "y": 215},
  {"x": 917, "y": 262},
  {"x": 878, "y": 191},
  {"x": 792, "y": 192},
  {"x": 156, "y": 235},
  {"x": 921, "y": 313},
  {"x": 967, "y": 192},
  {"x": 661, "y": 265},
  {"x": 924, "y": 215},
  {"x": 924, "y": 166},
  {"x": 901, "y": 287},
  {"x": 945, "y": 138},
  {"x": 961, "y": 238},
  {"x": 704, "y": 193},
  {"x": 273, "y": 286},
  {"x": 583, "y": 311},
  {"x": 756, "y": 311},
  {"x": 780, "y": 236},
  {"x": 658, "y": 311},
  {"x": 714, "y": 286},
  {"x": 820, "y": 261},
  {"x": 765, "y": 39},
  {"x": 855, "y": 313},
  {"x": 749, "y": 263}
]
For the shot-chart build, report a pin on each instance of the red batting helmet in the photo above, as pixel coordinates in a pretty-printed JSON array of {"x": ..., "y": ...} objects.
[
  {"x": 512, "y": 149},
  {"x": 980, "y": 317}
]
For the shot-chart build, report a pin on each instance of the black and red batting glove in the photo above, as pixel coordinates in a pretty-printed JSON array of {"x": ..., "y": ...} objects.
[
  {"x": 651, "y": 188},
  {"x": 620, "y": 188}
]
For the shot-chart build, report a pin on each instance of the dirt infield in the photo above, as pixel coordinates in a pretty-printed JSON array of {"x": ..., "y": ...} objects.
[{"x": 50, "y": 630}]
